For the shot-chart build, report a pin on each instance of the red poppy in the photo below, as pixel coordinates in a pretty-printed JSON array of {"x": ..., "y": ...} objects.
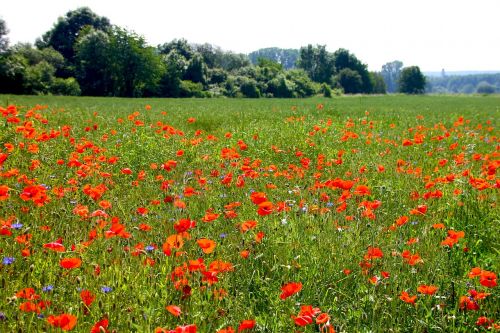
[
  {"x": 206, "y": 245},
  {"x": 64, "y": 321},
  {"x": 405, "y": 297},
  {"x": 373, "y": 253},
  {"x": 246, "y": 325},
  {"x": 70, "y": 263},
  {"x": 87, "y": 297},
  {"x": 290, "y": 289},
  {"x": 174, "y": 310},
  {"x": 428, "y": 290}
]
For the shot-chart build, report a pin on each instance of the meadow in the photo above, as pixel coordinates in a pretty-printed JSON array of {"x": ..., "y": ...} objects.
[{"x": 350, "y": 214}]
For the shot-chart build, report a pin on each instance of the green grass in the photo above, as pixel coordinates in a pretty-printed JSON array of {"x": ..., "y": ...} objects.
[{"x": 311, "y": 242}]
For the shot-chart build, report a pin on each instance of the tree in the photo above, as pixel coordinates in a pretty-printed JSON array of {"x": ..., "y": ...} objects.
[
  {"x": 412, "y": 81},
  {"x": 285, "y": 57},
  {"x": 63, "y": 36},
  {"x": 92, "y": 63},
  {"x": 135, "y": 67},
  {"x": 343, "y": 59},
  {"x": 350, "y": 80},
  {"x": 485, "y": 88},
  {"x": 317, "y": 62},
  {"x": 391, "y": 72},
  {"x": 4, "y": 41},
  {"x": 378, "y": 83}
]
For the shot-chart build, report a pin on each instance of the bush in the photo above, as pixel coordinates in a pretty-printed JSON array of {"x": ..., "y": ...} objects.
[
  {"x": 67, "y": 87},
  {"x": 485, "y": 88},
  {"x": 249, "y": 88},
  {"x": 326, "y": 90},
  {"x": 192, "y": 89}
]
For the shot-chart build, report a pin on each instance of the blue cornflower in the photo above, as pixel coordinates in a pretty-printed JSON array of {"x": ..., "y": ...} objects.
[
  {"x": 106, "y": 289},
  {"x": 8, "y": 260},
  {"x": 48, "y": 288}
]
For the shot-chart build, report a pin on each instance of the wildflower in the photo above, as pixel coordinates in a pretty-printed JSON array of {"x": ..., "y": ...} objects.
[
  {"x": 64, "y": 321},
  {"x": 246, "y": 325},
  {"x": 8, "y": 260},
  {"x": 206, "y": 245},
  {"x": 101, "y": 326},
  {"x": 70, "y": 263},
  {"x": 290, "y": 289},
  {"x": 405, "y": 297},
  {"x": 428, "y": 290},
  {"x": 174, "y": 310},
  {"x": 106, "y": 289}
]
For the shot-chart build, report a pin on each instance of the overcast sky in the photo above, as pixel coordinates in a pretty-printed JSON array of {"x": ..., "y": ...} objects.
[{"x": 433, "y": 34}]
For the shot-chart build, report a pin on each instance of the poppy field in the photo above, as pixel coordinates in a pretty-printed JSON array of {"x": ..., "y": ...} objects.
[{"x": 351, "y": 214}]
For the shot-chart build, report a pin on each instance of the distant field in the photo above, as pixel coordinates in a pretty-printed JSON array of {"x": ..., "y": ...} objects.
[{"x": 351, "y": 214}]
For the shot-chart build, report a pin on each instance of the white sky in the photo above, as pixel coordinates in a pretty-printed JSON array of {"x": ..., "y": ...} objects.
[{"x": 433, "y": 34}]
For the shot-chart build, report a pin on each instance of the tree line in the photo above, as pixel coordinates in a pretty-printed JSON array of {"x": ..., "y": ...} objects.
[
  {"x": 464, "y": 84},
  {"x": 84, "y": 54}
]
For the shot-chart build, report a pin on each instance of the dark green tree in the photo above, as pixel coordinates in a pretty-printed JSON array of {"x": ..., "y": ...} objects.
[
  {"x": 350, "y": 80},
  {"x": 4, "y": 41},
  {"x": 412, "y": 81},
  {"x": 317, "y": 62},
  {"x": 65, "y": 32},
  {"x": 285, "y": 57},
  {"x": 391, "y": 72},
  {"x": 343, "y": 59},
  {"x": 378, "y": 83},
  {"x": 485, "y": 88},
  {"x": 135, "y": 67},
  {"x": 93, "y": 66}
]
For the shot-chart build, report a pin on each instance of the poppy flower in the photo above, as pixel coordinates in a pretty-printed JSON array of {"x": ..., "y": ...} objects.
[
  {"x": 248, "y": 225},
  {"x": 258, "y": 197},
  {"x": 206, "y": 245},
  {"x": 246, "y": 325},
  {"x": 322, "y": 318},
  {"x": 428, "y": 290},
  {"x": 265, "y": 208},
  {"x": 373, "y": 253},
  {"x": 70, "y": 263},
  {"x": 405, "y": 297},
  {"x": 4, "y": 192},
  {"x": 55, "y": 246},
  {"x": 174, "y": 310},
  {"x": 64, "y": 321},
  {"x": 488, "y": 279},
  {"x": 87, "y": 297},
  {"x": 290, "y": 289}
]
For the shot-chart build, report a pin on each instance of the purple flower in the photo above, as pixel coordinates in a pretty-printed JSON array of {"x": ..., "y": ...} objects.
[
  {"x": 106, "y": 289},
  {"x": 8, "y": 260}
]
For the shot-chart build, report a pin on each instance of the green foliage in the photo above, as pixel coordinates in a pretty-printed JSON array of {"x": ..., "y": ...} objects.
[
  {"x": 343, "y": 59},
  {"x": 318, "y": 63},
  {"x": 461, "y": 84},
  {"x": 248, "y": 87},
  {"x": 65, "y": 87},
  {"x": 191, "y": 89},
  {"x": 391, "y": 72},
  {"x": 485, "y": 88},
  {"x": 350, "y": 80},
  {"x": 326, "y": 90},
  {"x": 4, "y": 41},
  {"x": 378, "y": 83},
  {"x": 303, "y": 86},
  {"x": 12, "y": 73},
  {"x": 66, "y": 31},
  {"x": 93, "y": 69},
  {"x": 39, "y": 78},
  {"x": 412, "y": 81},
  {"x": 287, "y": 58}
]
